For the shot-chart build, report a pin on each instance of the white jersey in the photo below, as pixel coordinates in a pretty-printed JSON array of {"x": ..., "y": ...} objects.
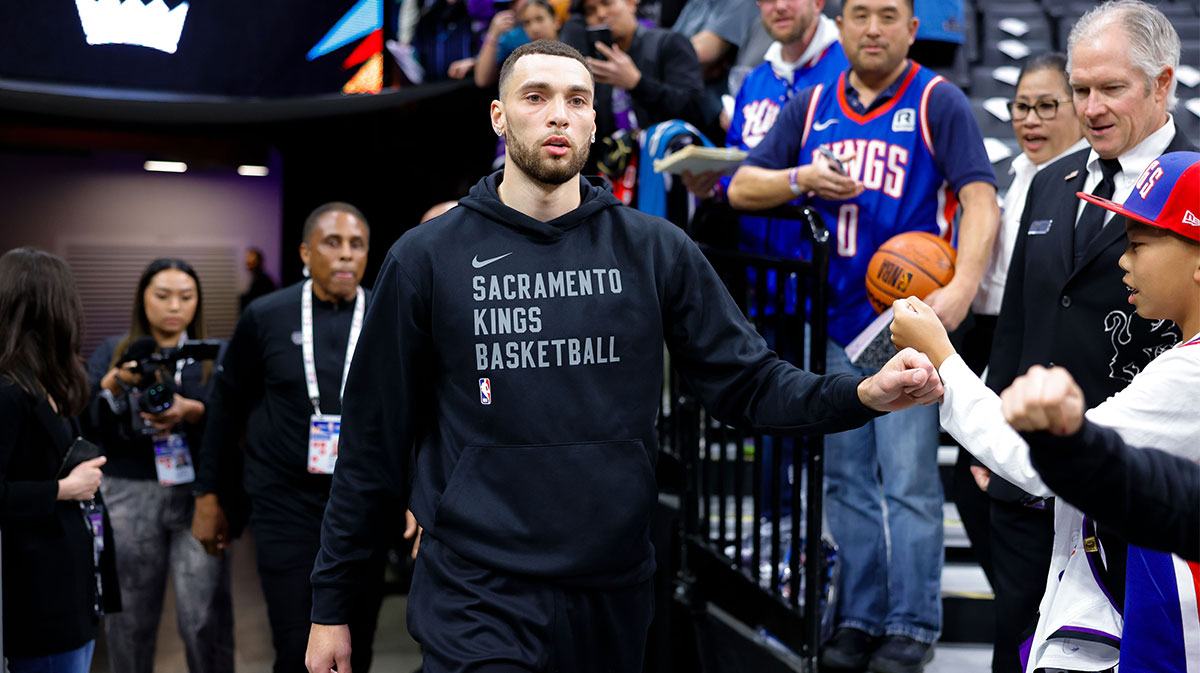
[{"x": 1158, "y": 409}]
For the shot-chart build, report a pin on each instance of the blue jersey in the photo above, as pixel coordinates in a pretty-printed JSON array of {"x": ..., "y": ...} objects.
[
  {"x": 761, "y": 98},
  {"x": 901, "y": 151},
  {"x": 1162, "y": 621}
]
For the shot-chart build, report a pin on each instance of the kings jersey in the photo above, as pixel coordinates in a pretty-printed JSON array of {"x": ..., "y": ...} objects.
[{"x": 890, "y": 150}]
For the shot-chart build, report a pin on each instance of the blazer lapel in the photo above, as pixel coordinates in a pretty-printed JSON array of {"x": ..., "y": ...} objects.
[
  {"x": 1113, "y": 231},
  {"x": 53, "y": 424},
  {"x": 1066, "y": 212}
]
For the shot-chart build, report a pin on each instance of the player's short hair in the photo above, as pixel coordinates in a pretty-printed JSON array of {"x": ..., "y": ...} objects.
[
  {"x": 310, "y": 223},
  {"x": 546, "y": 47}
]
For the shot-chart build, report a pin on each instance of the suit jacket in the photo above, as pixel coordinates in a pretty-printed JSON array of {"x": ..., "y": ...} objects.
[
  {"x": 1077, "y": 319},
  {"x": 49, "y": 579}
]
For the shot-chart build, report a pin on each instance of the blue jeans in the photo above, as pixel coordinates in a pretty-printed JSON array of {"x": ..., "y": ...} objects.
[
  {"x": 892, "y": 460},
  {"x": 78, "y": 660}
]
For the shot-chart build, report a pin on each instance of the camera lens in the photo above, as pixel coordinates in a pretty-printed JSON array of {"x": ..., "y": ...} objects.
[{"x": 155, "y": 399}]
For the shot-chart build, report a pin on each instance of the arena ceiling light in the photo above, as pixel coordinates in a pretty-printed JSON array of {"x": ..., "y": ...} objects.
[
  {"x": 165, "y": 166},
  {"x": 253, "y": 170}
]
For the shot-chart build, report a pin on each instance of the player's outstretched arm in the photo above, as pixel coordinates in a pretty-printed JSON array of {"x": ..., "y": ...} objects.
[
  {"x": 328, "y": 646},
  {"x": 908, "y": 379},
  {"x": 915, "y": 325}
]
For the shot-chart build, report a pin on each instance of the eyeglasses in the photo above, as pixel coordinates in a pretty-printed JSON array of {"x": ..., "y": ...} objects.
[{"x": 1044, "y": 109}]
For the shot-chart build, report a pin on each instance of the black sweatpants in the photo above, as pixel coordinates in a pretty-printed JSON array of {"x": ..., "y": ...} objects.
[
  {"x": 286, "y": 550},
  {"x": 470, "y": 618}
]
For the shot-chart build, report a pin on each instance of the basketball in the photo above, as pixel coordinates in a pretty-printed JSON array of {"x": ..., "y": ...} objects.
[{"x": 914, "y": 263}]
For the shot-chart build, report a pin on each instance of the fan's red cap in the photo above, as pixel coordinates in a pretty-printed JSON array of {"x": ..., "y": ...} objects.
[{"x": 1167, "y": 195}]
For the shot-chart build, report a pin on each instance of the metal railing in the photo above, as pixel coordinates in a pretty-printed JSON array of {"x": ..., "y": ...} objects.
[{"x": 746, "y": 546}]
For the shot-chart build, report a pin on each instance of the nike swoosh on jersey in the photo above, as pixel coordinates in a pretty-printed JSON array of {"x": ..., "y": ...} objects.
[
  {"x": 821, "y": 126},
  {"x": 480, "y": 264}
]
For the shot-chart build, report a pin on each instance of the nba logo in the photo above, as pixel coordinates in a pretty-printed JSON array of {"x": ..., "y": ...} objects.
[{"x": 485, "y": 391}]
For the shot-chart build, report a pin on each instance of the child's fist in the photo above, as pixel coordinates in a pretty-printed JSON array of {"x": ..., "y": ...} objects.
[{"x": 915, "y": 325}]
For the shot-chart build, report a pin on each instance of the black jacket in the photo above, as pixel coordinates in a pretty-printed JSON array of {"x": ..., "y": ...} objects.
[
  {"x": 1079, "y": 320},
  {"x": 49, "y": 580},
  {"x": 523, "y": 361},
  {"x": 671, "y": 86},
  {"x": 1148, "y": 497},
  {"x": 131, "y": 454},
  {"x": 259, "y": 393}
]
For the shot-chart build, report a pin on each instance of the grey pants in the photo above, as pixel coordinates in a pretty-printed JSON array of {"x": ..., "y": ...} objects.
[{"x": 152, "y": 532}]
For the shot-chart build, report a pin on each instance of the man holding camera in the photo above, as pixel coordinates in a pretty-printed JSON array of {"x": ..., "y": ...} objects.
[{"x": 280, "y": 386}]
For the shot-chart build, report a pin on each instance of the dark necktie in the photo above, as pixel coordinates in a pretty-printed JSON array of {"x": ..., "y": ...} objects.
[{"x": 1091, "y": 221}]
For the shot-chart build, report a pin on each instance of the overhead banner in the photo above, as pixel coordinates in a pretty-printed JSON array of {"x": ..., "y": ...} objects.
[{"x": 243, "y": 48}]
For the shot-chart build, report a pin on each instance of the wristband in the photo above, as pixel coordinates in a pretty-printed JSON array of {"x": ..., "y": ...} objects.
[
  {"x": 719, "y": 193},
  {"x": 793, "y": 175}
]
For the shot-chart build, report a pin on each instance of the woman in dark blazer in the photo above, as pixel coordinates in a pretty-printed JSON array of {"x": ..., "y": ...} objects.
[{"x": 58, "y": 572}]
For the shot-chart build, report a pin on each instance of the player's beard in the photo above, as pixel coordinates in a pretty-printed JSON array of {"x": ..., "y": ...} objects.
[{"x": 547, "y": 170}]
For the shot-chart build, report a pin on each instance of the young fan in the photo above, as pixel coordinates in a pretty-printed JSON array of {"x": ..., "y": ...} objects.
[{"x": 1081, "y": 616}]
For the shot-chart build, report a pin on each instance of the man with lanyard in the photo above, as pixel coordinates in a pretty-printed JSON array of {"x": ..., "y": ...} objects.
[
  {"x": 912, "y": 153},
  {"x": 281, "y": 385}
]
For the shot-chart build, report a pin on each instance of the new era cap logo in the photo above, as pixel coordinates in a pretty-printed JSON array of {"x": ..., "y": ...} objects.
[{"x": 1190, "y": 219}]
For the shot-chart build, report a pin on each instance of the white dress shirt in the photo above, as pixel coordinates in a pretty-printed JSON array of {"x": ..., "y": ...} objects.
[{"x": 1133, "y": 163}]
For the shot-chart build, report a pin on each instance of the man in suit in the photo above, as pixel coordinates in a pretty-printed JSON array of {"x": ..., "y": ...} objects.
[{"x": 1064, "y": 301}]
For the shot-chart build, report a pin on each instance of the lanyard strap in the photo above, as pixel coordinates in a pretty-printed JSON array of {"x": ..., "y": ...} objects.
[
  {"x": 306, "y": 348},
  {"x": 180, "y": 363}
]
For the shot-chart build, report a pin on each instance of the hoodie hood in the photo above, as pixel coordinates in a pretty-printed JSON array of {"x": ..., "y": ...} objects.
[
  {"x": 825, "y": 35},
  {"x": 484, "y": 199}
]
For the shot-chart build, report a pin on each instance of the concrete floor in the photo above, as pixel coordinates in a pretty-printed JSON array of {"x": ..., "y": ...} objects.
[{"x": 395, "y": 650}]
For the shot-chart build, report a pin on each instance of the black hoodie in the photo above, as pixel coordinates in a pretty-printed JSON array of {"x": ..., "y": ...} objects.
[{"x": 522, "y": 361}]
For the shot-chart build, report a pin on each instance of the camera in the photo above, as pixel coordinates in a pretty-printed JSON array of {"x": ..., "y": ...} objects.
[{"x": 155, "y": 390}]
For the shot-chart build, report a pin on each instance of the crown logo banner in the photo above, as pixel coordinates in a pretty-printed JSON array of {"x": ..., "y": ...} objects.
[{"x": 132, "y": 22}]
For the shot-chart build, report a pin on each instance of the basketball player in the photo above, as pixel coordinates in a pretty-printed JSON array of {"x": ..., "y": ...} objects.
[
  {"x": 510, "y": 371},
  {"x": 912, "y": 153}
]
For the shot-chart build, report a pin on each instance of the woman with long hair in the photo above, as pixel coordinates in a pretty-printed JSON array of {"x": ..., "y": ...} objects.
[
  {"x": 147, "y": 410},
  {"x": 59, "y": 576}
]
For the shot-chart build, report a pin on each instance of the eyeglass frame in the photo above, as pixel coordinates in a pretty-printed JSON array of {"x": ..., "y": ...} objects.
[{"x": 1034, "y": 108}]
